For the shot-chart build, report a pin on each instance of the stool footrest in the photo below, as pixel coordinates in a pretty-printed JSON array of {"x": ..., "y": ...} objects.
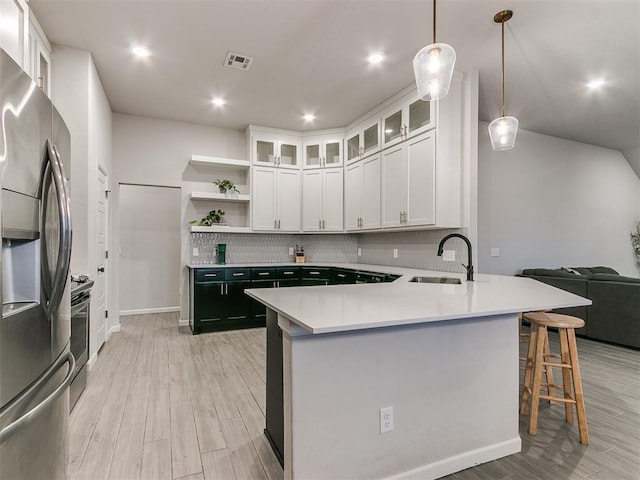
[
  {"x": 558, "y": 399},
  {"x": 560, "y": 365}
]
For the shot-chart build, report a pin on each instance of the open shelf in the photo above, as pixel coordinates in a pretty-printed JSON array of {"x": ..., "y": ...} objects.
[
  {"x": 221, "y": 229},
  {"x": 230, "y": 163},
  {"x": 222, "y": 197}
]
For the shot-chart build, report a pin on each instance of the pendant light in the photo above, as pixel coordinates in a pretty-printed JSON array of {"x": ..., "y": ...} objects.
[
  {"x": 433, "y": 67},
  {"x": 503, "y": 130}
]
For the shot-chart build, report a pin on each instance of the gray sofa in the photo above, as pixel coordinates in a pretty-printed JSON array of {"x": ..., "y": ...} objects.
[{"x": 615, "y": 314}]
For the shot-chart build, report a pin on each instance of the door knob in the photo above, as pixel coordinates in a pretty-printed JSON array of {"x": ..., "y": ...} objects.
[{"x": 101, "y": 269}]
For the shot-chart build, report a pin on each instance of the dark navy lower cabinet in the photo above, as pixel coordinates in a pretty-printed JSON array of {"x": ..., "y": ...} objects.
[{"x": 218, "y": 301}]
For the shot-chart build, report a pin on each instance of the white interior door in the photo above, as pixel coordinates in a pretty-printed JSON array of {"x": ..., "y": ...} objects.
[
  {"x": 100, "y": 285},
  {"x": 149, "y": 277}
]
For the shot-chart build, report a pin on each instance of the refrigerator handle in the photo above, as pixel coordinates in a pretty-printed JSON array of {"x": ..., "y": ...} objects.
[
  {"x": 28, "y": 417},
  {"x": 43, "y": 194},
  {"x": 64, "y": 247}
]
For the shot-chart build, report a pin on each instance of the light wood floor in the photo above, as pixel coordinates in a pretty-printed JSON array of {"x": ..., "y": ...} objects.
[{"x": 163, "y": 404}]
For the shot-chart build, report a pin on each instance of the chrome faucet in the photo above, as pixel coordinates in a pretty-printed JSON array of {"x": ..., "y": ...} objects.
[{"x": 469, "y": 267}]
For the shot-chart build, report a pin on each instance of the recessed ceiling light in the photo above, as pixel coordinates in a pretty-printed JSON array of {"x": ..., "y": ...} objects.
[
  {"x": 140, "y": 51},
  {"x": 218, "y": 102},
  {"x": 596, "y": 83},
  {"x": 375, "y": 58},
  {"x": 309, "y": 117}
]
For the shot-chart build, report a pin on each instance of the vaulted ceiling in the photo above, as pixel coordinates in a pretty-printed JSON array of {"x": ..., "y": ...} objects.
[{"x": 310, "y": 57}]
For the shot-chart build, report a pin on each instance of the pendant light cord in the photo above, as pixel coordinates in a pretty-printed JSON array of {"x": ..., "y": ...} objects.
[
  {"x": 434, "y": 21},
  {"x": 502, "y": 66}
]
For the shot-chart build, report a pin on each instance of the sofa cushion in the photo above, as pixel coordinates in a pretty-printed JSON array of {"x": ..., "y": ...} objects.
[
  {"x": 593, "y": 270},
  {"x": 548, "y": 272},
  {"x": 606, "y": 277}
]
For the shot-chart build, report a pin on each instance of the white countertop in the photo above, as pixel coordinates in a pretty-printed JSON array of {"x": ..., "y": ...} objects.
[{"x": 341, "y": 308}]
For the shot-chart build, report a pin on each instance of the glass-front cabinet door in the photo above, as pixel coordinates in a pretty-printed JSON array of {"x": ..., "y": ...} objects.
[
  {"x": 288, "y": 154},
  {"x": 265, "y": 151},
  {"x": 406, "y": 118},
  {"x": 332, "y": 153},
  {"x": 275, "y": 150},
  {"x": 312, "y": 157},
  {"x": 321, "y": 152},
  {"x": 363, "y": 140},
  {"x": 353, "y": 147},
  {"x": 421, "y": 117}
]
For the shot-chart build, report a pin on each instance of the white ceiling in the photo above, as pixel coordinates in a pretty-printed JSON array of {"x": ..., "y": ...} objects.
[{"x": 310, "y": 56}]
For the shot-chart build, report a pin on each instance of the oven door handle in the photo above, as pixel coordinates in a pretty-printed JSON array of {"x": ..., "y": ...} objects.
[{"x": 28, "y": 417}]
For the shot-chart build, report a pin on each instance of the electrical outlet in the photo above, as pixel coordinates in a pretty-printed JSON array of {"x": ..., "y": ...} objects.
[
  {"x": 386, "y": 419},
  {"x": 290, "y": 250},
  {"x": 495, "y": 252},
  {"x": 195, "y": 251},
  {"x": 359, "y": 252},
  {"x": 449, "y": 256},
  {"x": 395, "y": 253}
]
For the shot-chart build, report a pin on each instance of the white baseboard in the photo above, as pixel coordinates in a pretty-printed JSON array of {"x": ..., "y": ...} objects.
[
  {"x": 457, "y": 463},
  {"x": 143, "y": 311},
  {"x": 113, "y": 329},
  {"x": 92, "y": 360},
  {"x": 183, "y": 322}
]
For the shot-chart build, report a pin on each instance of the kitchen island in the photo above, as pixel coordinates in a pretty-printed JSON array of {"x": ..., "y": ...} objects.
[{"x": 443, "y": 356}]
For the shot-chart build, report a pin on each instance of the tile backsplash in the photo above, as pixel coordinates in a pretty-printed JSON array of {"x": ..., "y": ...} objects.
[
  {"x": 415, "y": 249},
  {"x": 274, "y": 248}
]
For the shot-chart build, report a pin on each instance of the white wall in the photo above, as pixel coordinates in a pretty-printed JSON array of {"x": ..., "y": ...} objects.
[
  {"x": 550, "y": 203},
  {"x": 77, "y": 92},
  {"x": 150, "y": 232},
  {"x": 156, "y": 152},
  {"x": 633, "y": 157}
]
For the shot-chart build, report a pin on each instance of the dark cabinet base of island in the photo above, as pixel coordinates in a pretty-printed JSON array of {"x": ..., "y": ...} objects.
[
  {"x": 274, "y": 430},
  {"x": 217, "y": 301}
]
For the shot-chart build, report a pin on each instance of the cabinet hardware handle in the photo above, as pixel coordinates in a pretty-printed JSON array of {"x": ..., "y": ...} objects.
[
  {"x": 323, "y": 227},
  {"x": 210, "y": 274},
  {"x": 275, "y": 224},
  {"x": 314, "y": 273},
  {"x": 341, "y": 275},
  {"x": 222, "y": 289},
  {"x": 226, "y": 289},
  {"x": 238, "y": 274},
  {"x": 278, "y": 224},
  {"x": 263, "y": 273},
  {"x": 287, "y": 273},
  {"x": 320, "y": 224}
]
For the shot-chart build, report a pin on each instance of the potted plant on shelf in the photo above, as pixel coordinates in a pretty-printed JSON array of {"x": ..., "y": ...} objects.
[
  {"x": 226, "y": 186},
  {"x": 214, "y": 218},
  {"x": 635, "y": 242}
]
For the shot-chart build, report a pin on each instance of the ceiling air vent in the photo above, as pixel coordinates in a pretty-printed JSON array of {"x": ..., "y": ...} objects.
[{"x": 235, "y": 60}]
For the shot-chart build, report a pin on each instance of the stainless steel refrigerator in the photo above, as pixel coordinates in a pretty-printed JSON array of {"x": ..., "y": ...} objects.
[{"x": 36, "y": 366}]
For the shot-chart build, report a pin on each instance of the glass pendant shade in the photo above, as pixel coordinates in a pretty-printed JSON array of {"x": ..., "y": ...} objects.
[
  {"x": 503, "y": 131},
  {"x": 433, "y": 68}
]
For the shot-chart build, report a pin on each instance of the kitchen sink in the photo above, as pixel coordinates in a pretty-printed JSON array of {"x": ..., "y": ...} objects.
[{"x": 451, "y": 280}]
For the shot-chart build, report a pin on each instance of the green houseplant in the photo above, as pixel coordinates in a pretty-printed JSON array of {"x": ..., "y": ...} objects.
[
  {"x": 213, "y": 218},
  {"x": 226, "y": 186},
  {"x": 635, "y": 242}
]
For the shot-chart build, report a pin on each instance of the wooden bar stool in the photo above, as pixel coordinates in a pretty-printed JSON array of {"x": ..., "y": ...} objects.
[
  {"x": 526, "y": 361},
  {"x": 536, "y": 362}
]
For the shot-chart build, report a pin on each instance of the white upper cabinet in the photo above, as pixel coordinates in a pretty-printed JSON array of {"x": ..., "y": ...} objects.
[
  {"x": 276, "y": 150},
  {"x": 408, "y": 183},
  {"x": 39, "y": 67},
  {"x": 14, "y": 28},
  {"x": 322, "y": 200},
  {"x": 406, "y": 118},
  {"x": 276, "y": 199},
  {"x": 322, "y": 151},
  {"x": 362, "y": 194},
  {"x": 363, "y": 139}
]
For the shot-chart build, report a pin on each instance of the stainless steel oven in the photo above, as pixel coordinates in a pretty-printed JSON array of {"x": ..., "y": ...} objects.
[{"x": 80, "y": 302}]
